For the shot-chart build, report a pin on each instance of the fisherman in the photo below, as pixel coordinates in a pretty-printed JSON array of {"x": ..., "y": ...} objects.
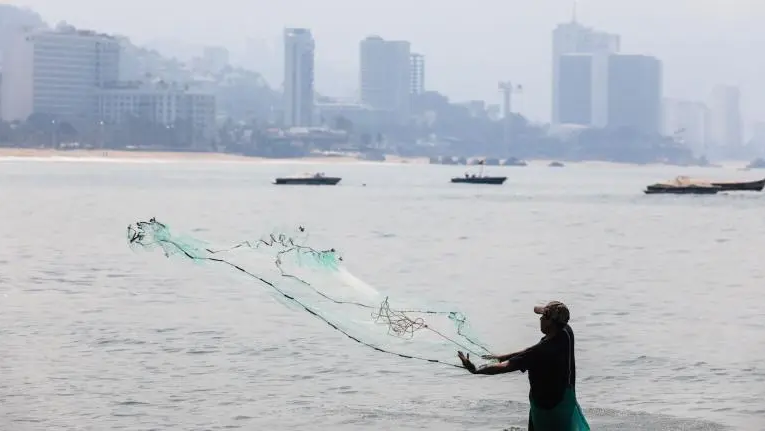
[{"x": 552, "y": 372}]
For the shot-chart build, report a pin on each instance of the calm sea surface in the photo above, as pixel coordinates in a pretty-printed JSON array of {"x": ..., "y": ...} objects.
[{"x": 666, "y": 294}]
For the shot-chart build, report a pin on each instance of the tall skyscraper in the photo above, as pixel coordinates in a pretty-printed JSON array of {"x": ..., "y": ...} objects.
[
  {"x": 725, "y": 117},
  {"x": 610, "y": 90},
  {"x": 575, "y": 89},
  {"x": 417, "y": 74},
  {"x": 634, "y": 92},
  {"x": 386, "y": 75},
  {"x": 758, "y": 137},
  {"x": 574, "y": 38},
  {"x": 57, "y": 72},
  {"x": 298, "y": 77}
]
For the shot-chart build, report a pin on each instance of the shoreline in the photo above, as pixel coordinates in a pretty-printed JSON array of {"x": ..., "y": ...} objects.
[
  {"x": 31, "y": 154},
  {"x": 137, "y": 156}
]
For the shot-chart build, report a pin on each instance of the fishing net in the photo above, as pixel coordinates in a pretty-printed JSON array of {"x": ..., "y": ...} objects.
[{"x": 315, "y": 281}]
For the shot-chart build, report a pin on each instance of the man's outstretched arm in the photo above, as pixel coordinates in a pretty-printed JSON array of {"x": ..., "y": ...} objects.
[
  {"x": 503, "y": 358},
  {"x": 503, "y": 367}
]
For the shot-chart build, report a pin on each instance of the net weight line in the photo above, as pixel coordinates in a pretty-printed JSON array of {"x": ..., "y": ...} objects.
[{"x": 399, "y": 324}]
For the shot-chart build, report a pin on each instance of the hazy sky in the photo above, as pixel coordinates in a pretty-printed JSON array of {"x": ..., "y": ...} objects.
[{"x": 469, "y": 45}]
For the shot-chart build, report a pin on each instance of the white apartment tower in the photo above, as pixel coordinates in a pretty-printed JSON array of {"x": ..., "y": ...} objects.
[
  {"x": 386, "y": 75},
  {"x": 725, "y": 126},
  {"x": 57, "y": 72},
  {"x": 298, "y": 77},
  {"x": 188, "y": 109},
  {"x": 417, "y": 73},
  {"x": 574, "y": 38}
]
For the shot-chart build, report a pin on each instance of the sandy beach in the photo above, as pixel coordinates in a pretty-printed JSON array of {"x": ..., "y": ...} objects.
[
  {"x": 32, "y": 154},
  {"x": 43, "y": 153}
]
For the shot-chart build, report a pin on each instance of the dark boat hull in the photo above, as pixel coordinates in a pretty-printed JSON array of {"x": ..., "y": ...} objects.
[
  {"x": 480, "y": 180},
  {"x": 325, "y": 181},
  {"x": 751, "y": 186},
  {"x": 686, "y": 190}
]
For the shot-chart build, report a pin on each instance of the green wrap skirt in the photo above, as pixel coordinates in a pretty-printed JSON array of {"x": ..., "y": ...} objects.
[{"x": 566, "y": 416}]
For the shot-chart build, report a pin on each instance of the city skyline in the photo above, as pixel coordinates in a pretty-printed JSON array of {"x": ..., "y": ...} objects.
[
  {"x": 202, "y": 101},
  {"x": 390, "y": 73},
  {"x": 702, "y": 43}
]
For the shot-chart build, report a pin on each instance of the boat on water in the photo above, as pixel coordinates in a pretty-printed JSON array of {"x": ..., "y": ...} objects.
[
  {"x": 555, "y": 165},
  {"x": 480, "y": 178},
  {"x": 725, "y": 186},
  {"x": 317, "y": 179},
  {"x": 683, "y": 186},
  {"x": 745, "y": 186},
  {"x": 513, "y": 161},
  {"x": 475, "y": 179}
]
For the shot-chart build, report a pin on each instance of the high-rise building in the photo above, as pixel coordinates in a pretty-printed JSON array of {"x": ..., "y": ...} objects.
[
  {"x": 758, "y": 137},
  {"x": 575, "y": 89},
  {"x": 169, "y": 104},
  {"x": 725, "y": 117},
  {"x": 634, "y": 92},
  {"x": 215, "y": 58},
  {"x": 417, "y": 73},
  {"x": 299, "y": 49},
  {"x": 686, "y": 121},
  {"x": 57, "y": 72},
  {"x": 610, "y": 90},
  {"x": 574, "y": 38},
  {"x": 386, "y": 69}
]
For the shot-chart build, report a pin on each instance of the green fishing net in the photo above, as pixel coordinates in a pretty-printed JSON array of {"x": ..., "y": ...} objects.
[{"x": 314, "y": 280}]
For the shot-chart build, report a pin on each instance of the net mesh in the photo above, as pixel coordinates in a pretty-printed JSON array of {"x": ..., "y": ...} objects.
[{"x": 315, "y": 281}]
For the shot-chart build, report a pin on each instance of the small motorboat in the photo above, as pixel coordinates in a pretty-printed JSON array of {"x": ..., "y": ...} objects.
[
  {"x": 555, "y": 165},
  {"x": 317, "y": 179},
  {"x": 683, "y": 186},
  {"x": 513, "y": 161},
  {"x": 480, "y": 178}
]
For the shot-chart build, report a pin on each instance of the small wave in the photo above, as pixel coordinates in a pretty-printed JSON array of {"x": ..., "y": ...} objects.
[{"x": 132, "y": 403}]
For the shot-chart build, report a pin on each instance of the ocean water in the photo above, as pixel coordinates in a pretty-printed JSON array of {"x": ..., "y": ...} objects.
[{"x": 666, "y": 294}]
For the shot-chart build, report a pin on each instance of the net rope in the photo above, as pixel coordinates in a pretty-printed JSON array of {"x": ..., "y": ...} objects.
[{"x": 151, "y": 234}]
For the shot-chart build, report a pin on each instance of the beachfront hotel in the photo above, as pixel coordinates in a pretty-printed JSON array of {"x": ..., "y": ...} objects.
[
  {"x": 57, "y": 72},
  {"x": 173, "y": 105}
]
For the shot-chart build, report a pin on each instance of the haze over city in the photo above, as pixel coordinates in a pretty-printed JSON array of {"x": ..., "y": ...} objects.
[
  {"x": 702, "y": 43},
  {"x": 331, "y": 214}
]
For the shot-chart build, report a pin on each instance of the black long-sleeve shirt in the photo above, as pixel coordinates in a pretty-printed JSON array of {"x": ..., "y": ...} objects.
[{"x": 551, "y": 367}]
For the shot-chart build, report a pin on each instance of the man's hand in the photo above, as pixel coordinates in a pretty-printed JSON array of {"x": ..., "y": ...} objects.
[{"x": 466, "y": 361}]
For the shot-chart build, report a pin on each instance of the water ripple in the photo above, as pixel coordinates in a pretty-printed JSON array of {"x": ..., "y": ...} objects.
[{"x": 665, "y": 295}]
